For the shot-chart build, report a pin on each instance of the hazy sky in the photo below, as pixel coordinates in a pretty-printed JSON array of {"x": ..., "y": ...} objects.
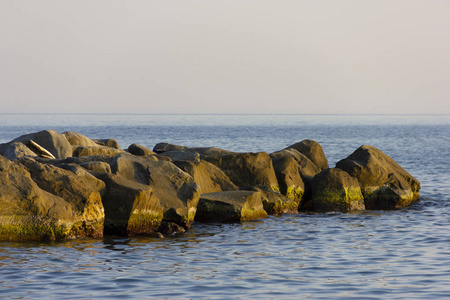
[{"x": 213, "y": 56}]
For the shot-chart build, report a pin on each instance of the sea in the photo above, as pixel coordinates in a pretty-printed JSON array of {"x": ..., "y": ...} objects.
[{"x": 397, "y": 254}]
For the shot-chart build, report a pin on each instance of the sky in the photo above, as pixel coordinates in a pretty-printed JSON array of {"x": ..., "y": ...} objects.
[{"x": 217, "y": 56}]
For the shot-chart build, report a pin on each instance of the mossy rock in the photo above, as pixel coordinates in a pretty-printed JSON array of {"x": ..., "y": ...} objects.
[
  {"x": 334, "y": 190},
  {"x": 131, "y": 208},
  {"x": 230, "y": 207},
  {"x": 28, "y": 212},
  {"x": 78, "y": 188},
  {"x": 248, "y": 169},
  {"x": 384, "y": 183}
]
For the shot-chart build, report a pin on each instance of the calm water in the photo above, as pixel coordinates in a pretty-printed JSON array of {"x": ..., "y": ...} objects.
[{"x": 402, "y": 254}]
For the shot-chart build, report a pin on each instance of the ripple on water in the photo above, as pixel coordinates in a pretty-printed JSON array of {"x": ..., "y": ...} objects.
[{"x": 396, "y": 254}]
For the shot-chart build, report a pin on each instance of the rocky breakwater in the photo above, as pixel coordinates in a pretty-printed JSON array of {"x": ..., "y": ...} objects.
[{"x": 56, "y": 186}]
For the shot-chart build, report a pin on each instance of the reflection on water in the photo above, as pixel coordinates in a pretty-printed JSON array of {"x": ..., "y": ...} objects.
[{"x": 395, "y": 254}]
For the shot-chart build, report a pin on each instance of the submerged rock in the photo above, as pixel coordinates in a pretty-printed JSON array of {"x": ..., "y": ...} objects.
[
  {"x": 335, "y": 190},
  {"x": 230, "y": 207},
  {"x": 384, "y": 184}
]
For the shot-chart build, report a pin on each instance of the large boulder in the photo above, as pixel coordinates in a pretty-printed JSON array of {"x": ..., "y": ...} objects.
[
  {"x": 112, "y": 143},
  {"x": 28, "y": 212},
  {"x": 82, "y": 191},
  {"x": 289, "y": 178},
  {"x": 335, "y": 190},
  {"x": 50, "y": 140},
  {"x": 384, "y": 184},
  {"x": 16, "y": 150},
  {"x": 209, "y": 177},
  {"x": 184, "y": 155},
  {"x": 275, "y": 203},
  {"x": 95, "y": 151},
  {"x": 131, "y": 208},
  {"x": 230, "y": 207},
  {"x": 164, "y": 147},
  {"x": 247, "y": 169},
  {"x": 176, "y": 190},
  {"x": 139, "y": 150},
  {"x": 313, "y": 150},
  {"x": 306, "y": 168},
  {"x": 77, "y": 139}
]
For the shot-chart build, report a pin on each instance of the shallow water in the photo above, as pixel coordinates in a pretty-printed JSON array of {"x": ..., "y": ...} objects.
[{"x": 401, "y": 254}]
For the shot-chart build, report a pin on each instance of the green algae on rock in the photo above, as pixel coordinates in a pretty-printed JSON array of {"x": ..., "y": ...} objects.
[
  {"x": 334, "y": 190},
  {"x": 384, "y": 183},
  {"x": 230, "y": 207}
]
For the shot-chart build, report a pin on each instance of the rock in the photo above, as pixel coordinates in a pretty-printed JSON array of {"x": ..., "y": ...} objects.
[
  {"x": 169, "y": 228},
  {"x": 176, "y": 190},
  {"x": 108, "y": 143},
  {"x": 288, "y": 176},
  {"x": 230, "y": 206},
  {"x": 307, "y": 169},
  {"x": 52, "y": 141},
  {"x": 93, "y": 164},
  {"x": 312, "y": 150},
  {"x": 16, "y": 150},
  {"x": 181, "y": 155},
  {"x": 164, "y": 147},
  {"x": 81, "y": 191},
  {"x": 83, "y": 159},
  {"x": 209, "y": 177},
  {"x": 131, "y": 208},
  {"x": 275, "y": 203},
  {"x": 384, "y": 184},
  {"x": 139, "y": 150},
  {"x": 212, "y": 152},
  {"x": 88, "y": 178},
  {"x": 77, "y": 139},
  {"x": 95, "y": 150},
  {"x": 158, "y": 157},
  {"x": 335, "y": 190},
  {"x": 28, "y": 212},
  {"x": 247, "y": 169},
  {"x": 96, "y": 166}
]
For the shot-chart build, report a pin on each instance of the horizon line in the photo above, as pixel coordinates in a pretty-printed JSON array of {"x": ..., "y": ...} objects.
[{"x": 236, "y": 114}]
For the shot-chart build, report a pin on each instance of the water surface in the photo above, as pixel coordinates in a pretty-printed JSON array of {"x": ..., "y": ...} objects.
[{"x": 401, "y": 254}]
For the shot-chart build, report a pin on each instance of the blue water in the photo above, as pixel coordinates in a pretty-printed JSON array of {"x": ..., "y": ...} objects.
[{"x": 401, "y": 254}]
